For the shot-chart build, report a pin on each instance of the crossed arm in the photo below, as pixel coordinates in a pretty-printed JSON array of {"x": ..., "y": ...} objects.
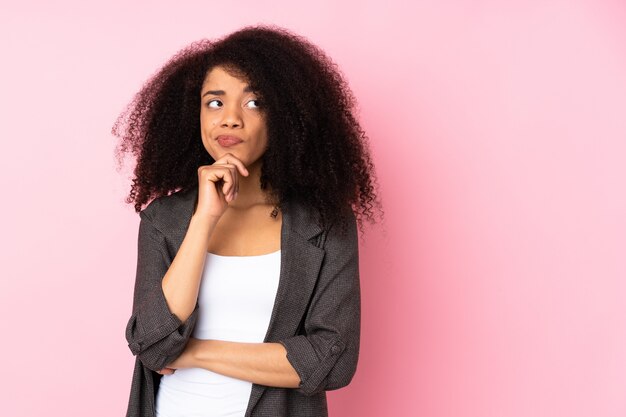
[{"x": 260, "y": 363}]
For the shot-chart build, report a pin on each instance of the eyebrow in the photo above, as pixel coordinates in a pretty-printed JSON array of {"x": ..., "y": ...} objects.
[{"x": 248, "y": 89}]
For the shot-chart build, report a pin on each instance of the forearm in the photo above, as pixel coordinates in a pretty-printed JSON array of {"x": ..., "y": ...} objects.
[
  {"x": 181, "y": 283},
  {"x": 259, "y": 363}
]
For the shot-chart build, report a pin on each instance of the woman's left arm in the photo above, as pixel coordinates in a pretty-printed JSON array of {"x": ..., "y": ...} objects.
[{"x": 260, "y": 363}]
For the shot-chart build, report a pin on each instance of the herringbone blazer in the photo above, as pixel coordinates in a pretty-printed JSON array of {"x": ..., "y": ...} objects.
[{"x": 316, "y": 313}]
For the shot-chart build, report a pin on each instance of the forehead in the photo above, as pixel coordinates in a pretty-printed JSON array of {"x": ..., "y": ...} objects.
[{"x": 224, "y": 77}]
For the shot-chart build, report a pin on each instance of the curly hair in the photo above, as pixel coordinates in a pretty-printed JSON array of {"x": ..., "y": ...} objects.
[{"x": 317, "y": 152}]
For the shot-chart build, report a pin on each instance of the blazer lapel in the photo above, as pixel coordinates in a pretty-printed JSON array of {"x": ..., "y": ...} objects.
[{"x": 300, "y": 259}]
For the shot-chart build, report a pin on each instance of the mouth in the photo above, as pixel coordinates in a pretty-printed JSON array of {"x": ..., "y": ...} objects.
[{"x": 228, "y": 140}]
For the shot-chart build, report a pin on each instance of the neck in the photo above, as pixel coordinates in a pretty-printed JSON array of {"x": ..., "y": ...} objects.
[{"x": 250, "y": 192}]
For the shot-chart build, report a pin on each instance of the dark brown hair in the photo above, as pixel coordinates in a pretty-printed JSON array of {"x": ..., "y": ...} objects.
[{"x": 317, "y": 151}]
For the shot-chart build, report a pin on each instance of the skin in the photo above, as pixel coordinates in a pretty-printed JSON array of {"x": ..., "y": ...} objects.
[{"x": 231, "y": 218}]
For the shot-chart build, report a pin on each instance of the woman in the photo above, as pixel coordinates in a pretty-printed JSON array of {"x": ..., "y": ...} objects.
[{"x": 247, "y": 295}]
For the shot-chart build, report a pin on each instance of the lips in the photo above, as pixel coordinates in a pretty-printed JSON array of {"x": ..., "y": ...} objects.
[{"x": 228, "y": 140}]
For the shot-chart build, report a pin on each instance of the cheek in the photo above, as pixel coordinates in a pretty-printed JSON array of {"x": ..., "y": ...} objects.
[
  {"x": 205, "y": 133},
  {"x": 206, "y": 122},
  {"x": 207, "y": 125},
  {"x": 261, "y": 130}
]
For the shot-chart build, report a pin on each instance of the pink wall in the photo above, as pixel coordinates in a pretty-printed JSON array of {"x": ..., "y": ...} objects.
[{"x": 496, "y": 286}]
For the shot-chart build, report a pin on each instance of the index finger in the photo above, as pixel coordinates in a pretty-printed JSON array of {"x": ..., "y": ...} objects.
[{"x": 231, "y": 159}]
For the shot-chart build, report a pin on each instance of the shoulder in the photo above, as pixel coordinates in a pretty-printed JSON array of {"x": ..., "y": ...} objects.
[
  {"x": 342, "y": 231},
  {"x": 168, "y": 208}
]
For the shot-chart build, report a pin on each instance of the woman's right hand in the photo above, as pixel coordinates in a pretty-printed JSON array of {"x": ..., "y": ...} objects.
[{"x": 218, "y": 184}]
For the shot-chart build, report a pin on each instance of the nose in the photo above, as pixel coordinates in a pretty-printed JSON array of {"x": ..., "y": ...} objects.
[{"x": 231, "y": 117}]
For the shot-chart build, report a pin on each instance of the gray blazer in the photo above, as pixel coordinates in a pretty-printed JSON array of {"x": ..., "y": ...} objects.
[{"x": 316, "y": 314}]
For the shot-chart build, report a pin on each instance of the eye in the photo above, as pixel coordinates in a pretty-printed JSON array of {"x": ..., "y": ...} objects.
[
  {"x": 211, "y": 101},
  {"x": 257, "y": 105}
]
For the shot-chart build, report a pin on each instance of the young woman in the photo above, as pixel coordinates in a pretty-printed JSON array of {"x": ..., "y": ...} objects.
[{"x": 247, "y": 295}]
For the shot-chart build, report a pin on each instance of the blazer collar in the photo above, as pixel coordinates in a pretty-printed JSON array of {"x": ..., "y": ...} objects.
[{"x": 177, "y": 213}]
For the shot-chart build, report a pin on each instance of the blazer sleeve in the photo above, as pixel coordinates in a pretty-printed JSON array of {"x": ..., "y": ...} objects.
[
  {"x": 326, "y": 355},
  {"x": 154, "y": 334}
]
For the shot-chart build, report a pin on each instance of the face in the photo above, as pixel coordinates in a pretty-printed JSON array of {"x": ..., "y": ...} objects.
[{"x": 230, "y": 108}]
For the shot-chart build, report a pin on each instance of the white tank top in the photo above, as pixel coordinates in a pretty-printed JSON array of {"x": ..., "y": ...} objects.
[{"x": 236, "y": 299}]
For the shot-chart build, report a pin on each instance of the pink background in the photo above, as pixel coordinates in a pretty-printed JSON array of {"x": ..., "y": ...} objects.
[{"x": 496, "y": 286}]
